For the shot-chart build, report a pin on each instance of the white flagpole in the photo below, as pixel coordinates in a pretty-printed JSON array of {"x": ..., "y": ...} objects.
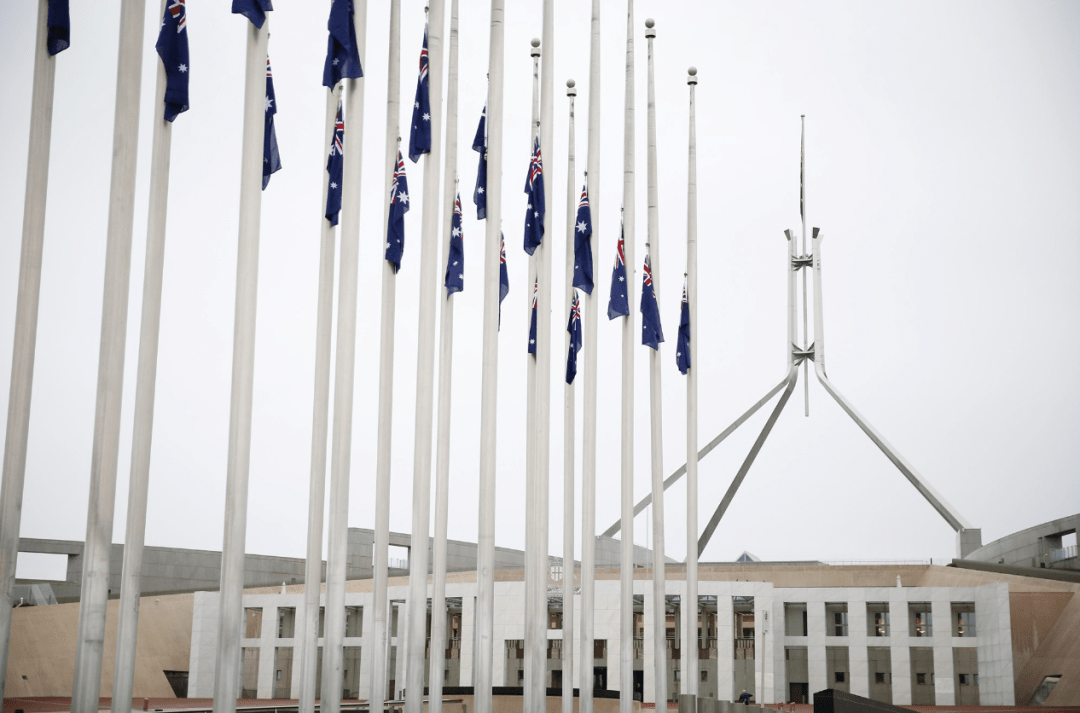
[
  {"x": 543, "y": 355},
  {"x": 139, "y": 478},
  {"x": 94, "y": 596},
  {"x": 568, "y": 434},
  {"x": 588, "y": 468},
  {"x": 485, "y": 565},
  {"x": 26, "y": 313},
  {"x": 690, "y": 607},
  {"x": 802, "y": 211},
  {"x": 629, "y": 334},
  {"x": 446, "y": 354},
  {"x": 425, "y": 377},
  {"x": 227, "y": 671},
  {"x": 656, "y": 406},
  {"x": 345, "y": 366},
  {"x": 313, "y": 573},
  {"x": 377, "y": 641},
  {"x": 534, "y": 652}
]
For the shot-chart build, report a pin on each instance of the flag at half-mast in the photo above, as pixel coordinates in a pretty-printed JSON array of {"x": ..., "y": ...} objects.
[
  {"x": 534, "y": 189},
  {"x": 479, "y": 144},
  {"x": 254, "y": 10},
  {"x": 172, "y": 47},
  {"x": 59, "y": 24},
  {"x": 342, "y": 52},
  {"x": 504, "y": 276},
  {"x": 651, "y": 333},
  {"x": 420, "y": 138},
  {"x": 335, "y": 164},
  {"x": 618, "y": 305},
  {"x": 682, "y": 348},
  {"x": 455, "y": 258},
  {"x": 271, "y": 157},
  {"x": 574, "y": 328},
  {"x": 583, "y": 262},
  {"x": 532, "y": 319},
  {"x": 399, "y": 206}
]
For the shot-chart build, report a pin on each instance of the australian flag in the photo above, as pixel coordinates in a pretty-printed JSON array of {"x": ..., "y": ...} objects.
[
  {"x": 342, "y": 54},
  {"x": 532, "y": 320},
  {"x": 334, "y": 166},
  {"x": 574, "y": 328},
  {"x": 504, "y": 277},
  {"x": 172, "y": 47},
  {"x": 651, "y": 334},
  {"x": 399, "y": 206},
  {"x": 479, "y": 143},
  {"x": 618, "y": 305},
  {"x": 254, "y": 10},
  {"x": 682, "y": 350},
  {"x": 583, "y": 264},
  {"x": 420, "y": 138},
  {"x": 59, "y": 24},
  {"x": 455, "y": 259},
  {"x": 534, "y": 189},
  {"x": 271, "y": 158}
]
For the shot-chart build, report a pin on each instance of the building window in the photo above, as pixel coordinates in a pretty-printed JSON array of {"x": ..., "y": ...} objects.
[
  {"x": 963, "y": 615},
  {"x": 521, "y": 675},
  {"x": 964, "y": 679},
  {"x": 921, "y": 623},
  {"x": 836, "y": 615},
  {"x": 879, "y": 677},
  {"x": 704, "y": 676},
  {"x": 877, "y": 619},
  {"x": 677, "y": 675},
  {"x": 975, "y": 679},
  {"x": 839, "y": 676},
  {"x": 253, "y": 622},
  {"x": 920, "y": 678},
  {"x": 795, "y": 619}
]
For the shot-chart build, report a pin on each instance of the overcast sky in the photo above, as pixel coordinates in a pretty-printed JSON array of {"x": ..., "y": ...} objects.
[{"x": 941, "y": 163}]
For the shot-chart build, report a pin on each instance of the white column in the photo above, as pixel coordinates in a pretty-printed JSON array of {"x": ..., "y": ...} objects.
[
  {"x": 485, "y": 566},
  {"x": 345, "y": 366},
  {"x": 815, "y": 645},
  {"x": 857, "y": 641},
  {"x": 425, "y": 375},
  {"x": 378, "y": 639},
  {"x": 94, "y": 594},
  {"x": 26, "y": 311}
]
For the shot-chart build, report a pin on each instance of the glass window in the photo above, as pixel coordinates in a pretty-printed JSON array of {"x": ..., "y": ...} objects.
[
  {"x": 879, "y": 677},
  {"x": 836, "y": 616},
  {"x": 840, "y": 676},
  {"x": 920, "y": 621},
  {"x": 877, "y": 619},
  {"x": 920, "y": 678},
  {"x": 963, "y": 615}
]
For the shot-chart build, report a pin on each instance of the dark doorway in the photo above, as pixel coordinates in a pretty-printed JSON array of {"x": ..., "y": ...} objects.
[
  {"x": 556, "y": 679},
  {"x": 600, "y": 678},
  {"x": 799, "y": 692},
  {"x": 639, "y": 685},
  {"x": 178, "y": 680}
]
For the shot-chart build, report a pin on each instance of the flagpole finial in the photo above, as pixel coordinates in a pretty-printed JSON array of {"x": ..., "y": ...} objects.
[
  {"x": 571, "y": 88},
  {"x": 650, "y": 28},
  {"x": 691, "y": 78},
  {"x": 535, "y": 51}
]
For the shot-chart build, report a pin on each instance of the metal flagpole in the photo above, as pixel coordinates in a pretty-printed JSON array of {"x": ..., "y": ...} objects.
[
  {"x": 543, "y": 363},
  {"x": 690, "y": 606},
  {"x": 589, "y": 345},
  {"x": 313, "y": 566},
  {"x": 802, "y": 215},
  {"x": 26, "y": 312},
  {"x": 139, "y": 478},
  {"x": 345, "y": 366},
  {"x": 446, "y": 353},
  {"x": 629, "y": 333},
  {"x": 227, "y": 671},
  {"x": 568, "y": 435},
  {"x": 656, "y": 405},
  {"x": 534, "y": 652},
  {"x": 425, "y": 378},
  {"x": 94, "y": 596},
  {"x": 485, "y": 563},
  {"x": 378, "y": 640}
]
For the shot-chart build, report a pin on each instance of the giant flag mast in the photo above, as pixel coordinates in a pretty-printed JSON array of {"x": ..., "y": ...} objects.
[{"x": 53, "y": 36}]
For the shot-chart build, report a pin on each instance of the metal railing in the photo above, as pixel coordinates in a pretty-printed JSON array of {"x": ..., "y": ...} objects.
[{"x": 1063, "y": 554}]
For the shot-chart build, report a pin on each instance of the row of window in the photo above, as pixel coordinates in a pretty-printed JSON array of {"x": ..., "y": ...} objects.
[{"x": 920, "y": 619}]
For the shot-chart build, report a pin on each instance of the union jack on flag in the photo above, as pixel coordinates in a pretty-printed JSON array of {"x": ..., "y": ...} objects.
[
  {"x": 574, "y": 328},
  {"x": 271, "y": 157},
  {"x": 534, "y": 189},
  {"x": 335, "y": 164},
  {"x": 651, "y": 334},
  {"x": 399, "y": 206},
  {"x": 618, "y": 305},
  {"x": 455, "y": 258},
  {"x": 172, "y": 47},
  {"x": 420, "y": 138},
  {"x": 583, "y": 262}
]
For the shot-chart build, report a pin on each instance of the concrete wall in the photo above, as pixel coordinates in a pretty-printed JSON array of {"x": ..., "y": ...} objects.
[{"x": 1031, "y": 547}]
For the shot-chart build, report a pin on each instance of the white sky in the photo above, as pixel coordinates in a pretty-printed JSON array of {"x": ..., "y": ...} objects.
[{"x": 942, "y": 146}]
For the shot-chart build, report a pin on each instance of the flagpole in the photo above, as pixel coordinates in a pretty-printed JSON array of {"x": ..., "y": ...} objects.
[
  {"x": 425, "y": 377},
  {"x": 629, "y": 332},
  {"x": 94, "y": 595},
  {"x": 227, "y": 671},
  {"x": 446, "y": 354},
  {"x": 588, "y": 469},
  {"x": 802, "y": 212},
  {"x": 139, "y": 478},
  {"x": 656, "y": 406},
  {"x": 485, "y": 565},
  {"x": 690, "y": 607},
  {"x": 568, "y": 435},
  {"x": 313, "y": 570},
  {"x": 345, "y": 366},
  {"x": 378, "y": 640},
  {"x": 534, "y": 653},
  {"x": 543, "y": 359},
  {"x": 26, "y": 317}
]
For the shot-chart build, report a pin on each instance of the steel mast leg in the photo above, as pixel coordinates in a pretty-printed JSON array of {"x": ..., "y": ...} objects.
[{"x": 792, "y": 378}]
